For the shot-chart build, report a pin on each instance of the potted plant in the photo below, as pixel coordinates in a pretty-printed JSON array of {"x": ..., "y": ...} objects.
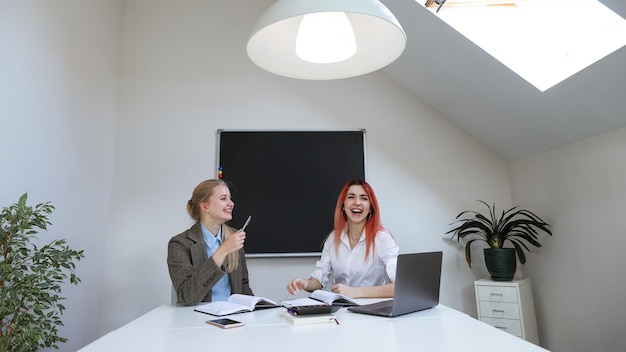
[
  {"x": 31, "y": 278},
  {"x": 517, "y": 226}
]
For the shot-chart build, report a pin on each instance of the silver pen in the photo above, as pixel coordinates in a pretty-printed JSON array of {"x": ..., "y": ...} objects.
[{"x": 247, "y": 222}]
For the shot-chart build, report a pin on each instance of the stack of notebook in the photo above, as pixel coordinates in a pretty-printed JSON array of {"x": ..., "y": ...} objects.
[{"x": 309, "y": 319}]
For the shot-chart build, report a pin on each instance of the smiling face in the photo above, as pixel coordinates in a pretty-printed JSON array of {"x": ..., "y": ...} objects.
[
  {"x": 219, "y": 207},
  {"x": 357, "y": 205}
]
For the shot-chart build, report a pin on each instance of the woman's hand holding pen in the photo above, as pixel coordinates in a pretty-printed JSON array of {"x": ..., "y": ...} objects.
[
  {"x": 231, "y": 244},
  {"x": 234, "y": 242}
]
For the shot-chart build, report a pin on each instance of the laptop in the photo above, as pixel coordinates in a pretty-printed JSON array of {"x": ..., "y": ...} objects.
[{"x": 418, "y": 277}]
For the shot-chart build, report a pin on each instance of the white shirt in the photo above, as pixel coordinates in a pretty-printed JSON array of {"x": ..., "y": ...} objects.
[{"x": 348, "y": 266}]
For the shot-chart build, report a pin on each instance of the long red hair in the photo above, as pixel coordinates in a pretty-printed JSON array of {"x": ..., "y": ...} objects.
[{"x": 372, "y": 225}]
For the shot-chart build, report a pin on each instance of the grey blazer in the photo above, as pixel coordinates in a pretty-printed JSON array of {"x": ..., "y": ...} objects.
[{"x": 193, "y": 273}]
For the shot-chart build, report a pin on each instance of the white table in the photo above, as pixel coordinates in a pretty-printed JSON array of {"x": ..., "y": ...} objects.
[{"x": 176, "y": 328}]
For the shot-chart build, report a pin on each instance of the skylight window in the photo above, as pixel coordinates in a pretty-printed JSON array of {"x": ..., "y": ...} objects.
[{"x": 543, "y": 41}]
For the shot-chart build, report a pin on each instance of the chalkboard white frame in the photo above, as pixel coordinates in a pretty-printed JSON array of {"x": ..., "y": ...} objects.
[{"x": 288, "y": 181}]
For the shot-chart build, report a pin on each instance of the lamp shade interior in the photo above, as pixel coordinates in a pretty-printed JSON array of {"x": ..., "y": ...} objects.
[{"x": 379, "y": 39}]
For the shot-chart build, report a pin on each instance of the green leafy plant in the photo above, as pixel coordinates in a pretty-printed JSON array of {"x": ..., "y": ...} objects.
[
  {"x": 517, "y": 226},
  {"x": 31, "y": 279}
]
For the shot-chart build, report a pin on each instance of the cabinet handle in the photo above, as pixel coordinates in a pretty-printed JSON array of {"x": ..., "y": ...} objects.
[
  {"x": 501, "y": 327},
  {"x": 496, "y": 293},
  {"x": 498, "y": 310}
]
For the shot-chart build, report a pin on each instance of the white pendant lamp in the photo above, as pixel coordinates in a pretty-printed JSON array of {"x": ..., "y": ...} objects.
[{"x": 326, "y": 39}]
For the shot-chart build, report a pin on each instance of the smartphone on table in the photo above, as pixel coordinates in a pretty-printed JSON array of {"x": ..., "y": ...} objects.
[{"x": 225, "y": 323}]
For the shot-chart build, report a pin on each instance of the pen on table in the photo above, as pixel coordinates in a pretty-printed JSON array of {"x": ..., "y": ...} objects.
[{"x": 246, "y": 223}]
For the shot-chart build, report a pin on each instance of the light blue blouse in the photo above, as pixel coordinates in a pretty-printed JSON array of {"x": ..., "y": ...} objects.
[{"x": 221, "y": 290}]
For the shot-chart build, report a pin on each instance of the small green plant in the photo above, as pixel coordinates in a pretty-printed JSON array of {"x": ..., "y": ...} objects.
[
  {"x": 31, "y": 279},
  {"x": 518, "y": 226}
]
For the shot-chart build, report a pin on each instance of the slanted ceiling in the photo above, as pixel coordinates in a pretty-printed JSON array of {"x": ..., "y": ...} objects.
[{"x": 494, "y": 105}]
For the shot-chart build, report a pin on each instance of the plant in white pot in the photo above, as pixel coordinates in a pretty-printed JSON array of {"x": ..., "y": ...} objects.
[
  {"x": 30, "y": 279},
  {"x": 517, "y": 226}
]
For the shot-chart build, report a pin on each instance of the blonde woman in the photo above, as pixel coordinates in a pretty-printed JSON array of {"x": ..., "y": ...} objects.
[{"x": 207, "y": 262}]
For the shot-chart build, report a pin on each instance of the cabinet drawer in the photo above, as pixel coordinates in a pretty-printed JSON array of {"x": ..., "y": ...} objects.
[
  {"x": 513, "y": 327},
  {"x": 497, "y": 294},
  {"x": 499, "y": 310}
]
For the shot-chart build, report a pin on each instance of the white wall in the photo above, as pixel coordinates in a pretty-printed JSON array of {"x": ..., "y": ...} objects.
[
  {"x": 578, "y": 273},
  {"x": 58, "y": 81},
  {"x": 118, "y": 150}
]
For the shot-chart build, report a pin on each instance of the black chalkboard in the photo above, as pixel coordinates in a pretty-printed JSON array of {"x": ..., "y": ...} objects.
[{"x": 288, "y": 181}]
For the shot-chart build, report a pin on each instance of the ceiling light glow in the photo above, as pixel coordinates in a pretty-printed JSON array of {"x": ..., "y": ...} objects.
[{"x": 325, "y": 37}]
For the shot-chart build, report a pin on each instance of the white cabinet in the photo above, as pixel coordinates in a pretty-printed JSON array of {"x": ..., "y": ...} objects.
[{"x": 509, "y": 306}]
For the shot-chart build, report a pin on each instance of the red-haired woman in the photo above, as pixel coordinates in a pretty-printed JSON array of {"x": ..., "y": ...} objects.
[{"x": 359, "y": 253}]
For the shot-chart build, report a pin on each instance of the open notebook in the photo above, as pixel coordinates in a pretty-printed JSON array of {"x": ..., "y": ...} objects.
[
  {"x": 236, "y": 303},
  {"x": 418, "y": 277}
]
